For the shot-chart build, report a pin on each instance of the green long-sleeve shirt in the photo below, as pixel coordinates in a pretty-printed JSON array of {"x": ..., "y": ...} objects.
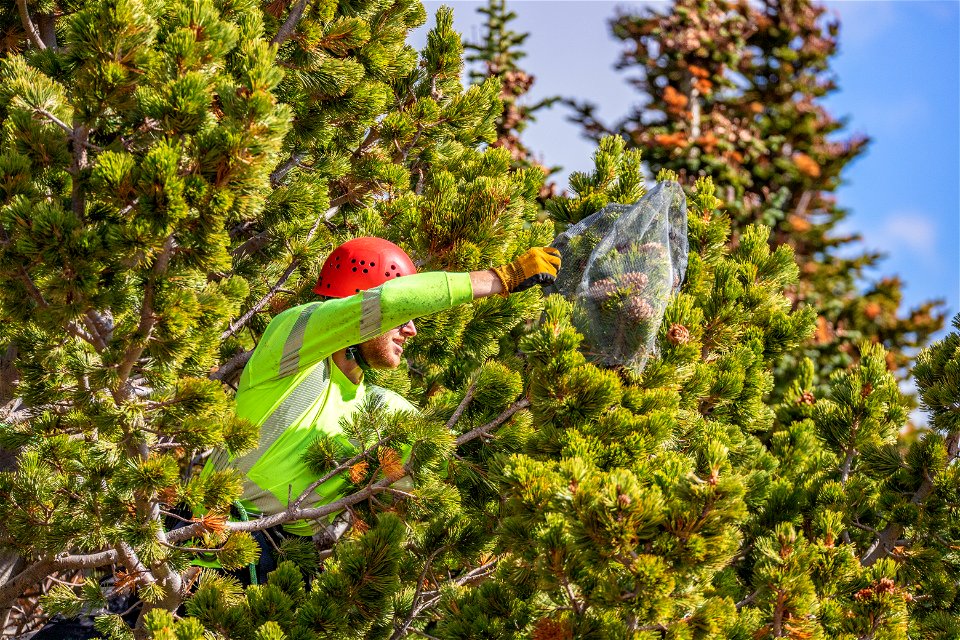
[{"x": 292, "y": 389}]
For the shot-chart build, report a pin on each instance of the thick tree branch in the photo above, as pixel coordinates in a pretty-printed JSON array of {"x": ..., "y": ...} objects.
[
  {"x": 251, "y": 245},
  {"x": 473, "y": 434},
  {"x": 28, "y": 25},
  {"x": 231, "y": 366},
  {"x": 288, "y": 515},
  {"x": 287, "y": 28},
  {"x": 281, "y": 172},
  {"x": 12, "y": 589},
  {"x": 47, "y": 26}
]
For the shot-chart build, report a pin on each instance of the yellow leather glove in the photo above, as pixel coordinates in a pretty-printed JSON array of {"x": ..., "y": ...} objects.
[{"x": 535, "y": 266}]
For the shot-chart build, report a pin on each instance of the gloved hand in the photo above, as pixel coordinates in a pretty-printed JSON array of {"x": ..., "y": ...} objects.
[{"x": 535, "y": 266}]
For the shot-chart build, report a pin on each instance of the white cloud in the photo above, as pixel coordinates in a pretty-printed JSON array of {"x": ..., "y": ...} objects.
[
  {"x": 863, "y": 22},
  {"x": 906, "y": 233},
  {"x": 886, "y": 116}
]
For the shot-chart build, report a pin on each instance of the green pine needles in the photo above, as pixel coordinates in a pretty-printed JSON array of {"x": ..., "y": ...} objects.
[{"x": 172, "y": 174}]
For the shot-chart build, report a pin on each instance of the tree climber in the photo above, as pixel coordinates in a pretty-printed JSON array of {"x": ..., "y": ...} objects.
[{"x": 306, "y": 374}]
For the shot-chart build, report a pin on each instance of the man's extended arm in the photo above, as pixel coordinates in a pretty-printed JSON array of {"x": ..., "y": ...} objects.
[
  {"x": 307, "y": 334},
  {"x": 485, "y": 283}
]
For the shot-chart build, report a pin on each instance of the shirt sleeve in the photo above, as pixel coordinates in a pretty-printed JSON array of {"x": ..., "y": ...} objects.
[{"x": 305, "y": 335}]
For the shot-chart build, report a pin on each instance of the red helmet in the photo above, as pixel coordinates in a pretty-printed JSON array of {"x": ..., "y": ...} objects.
[{"x": 361, "y": 264}]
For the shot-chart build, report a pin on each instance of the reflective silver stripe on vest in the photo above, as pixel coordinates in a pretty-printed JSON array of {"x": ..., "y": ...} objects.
[
  {"x": 290, "y": 360},
  {"x": 370, "y": 316},
  {"x": 220, "y": 458},
  {"x": 303, "y": 396}
]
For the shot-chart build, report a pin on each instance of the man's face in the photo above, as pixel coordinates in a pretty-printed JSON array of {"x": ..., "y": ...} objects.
[{"x": 386, "y": 351}]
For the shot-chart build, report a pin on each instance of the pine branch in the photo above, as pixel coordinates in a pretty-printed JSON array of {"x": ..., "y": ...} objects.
[
  {"x": 228, "y": 368},
  {"x": 281, "y": 172},
  {"x": 467, "y": 399},
  {"x": 473, "y": 575},
  {"x": 77, "y": 135},
  {"x": 71, "y": 327},
  {"x": 343, "y": 466},
  {"x": 294, "y": 264},
  {"x": 255, "y": 309},
  {"x": 402, "y": 630},
  {"x": 12, "y": 589},
  {"x": 287, "y": 28},
  {"x": 293, "y": 510},
  {"x": 147, "y": 317},
  {"x": 884, "y": 543},
  {"x": 473, "y": 434},
  {"x": 289, "y": 515},
  {"x": 28, "y": 25}
]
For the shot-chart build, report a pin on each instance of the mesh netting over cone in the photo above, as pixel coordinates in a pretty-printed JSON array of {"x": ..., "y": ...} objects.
[{"x": 620, "y": 267}]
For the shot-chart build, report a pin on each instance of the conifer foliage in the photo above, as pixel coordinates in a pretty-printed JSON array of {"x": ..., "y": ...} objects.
[
  {"x": 499, "y": 54},
  {"x": 173, "y": 172},
  {"x": 734, "y": 90}
]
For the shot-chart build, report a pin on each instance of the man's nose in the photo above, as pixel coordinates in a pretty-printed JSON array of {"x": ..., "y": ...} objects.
[{"x": 408, "y": 329}]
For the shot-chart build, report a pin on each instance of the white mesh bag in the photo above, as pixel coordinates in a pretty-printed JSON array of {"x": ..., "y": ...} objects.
[{"x": 620, "y": 267}]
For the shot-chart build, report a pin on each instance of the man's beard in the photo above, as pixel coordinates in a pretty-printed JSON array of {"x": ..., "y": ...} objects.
[{"x": 379, "y": 352}]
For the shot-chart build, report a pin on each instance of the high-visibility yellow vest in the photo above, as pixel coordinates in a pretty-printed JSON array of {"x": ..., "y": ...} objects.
[{"x": 292, "y": 389}]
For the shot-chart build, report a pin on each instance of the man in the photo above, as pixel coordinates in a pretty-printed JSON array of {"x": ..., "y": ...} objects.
[{"x": 306, "y": 373}]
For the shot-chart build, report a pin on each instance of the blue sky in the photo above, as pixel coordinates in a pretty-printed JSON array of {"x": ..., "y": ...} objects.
[{"x": 899, "y": 76}]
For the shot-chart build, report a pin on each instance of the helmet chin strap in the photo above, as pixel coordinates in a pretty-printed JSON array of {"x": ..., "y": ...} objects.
[{"x": 353, "y": 353}]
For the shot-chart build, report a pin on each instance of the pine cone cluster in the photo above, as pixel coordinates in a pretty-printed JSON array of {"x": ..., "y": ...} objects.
[
  {"x": 637, "y": 309},
  {"x": 632, "y": 281},
  {"x": 879, "y": 588}
]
